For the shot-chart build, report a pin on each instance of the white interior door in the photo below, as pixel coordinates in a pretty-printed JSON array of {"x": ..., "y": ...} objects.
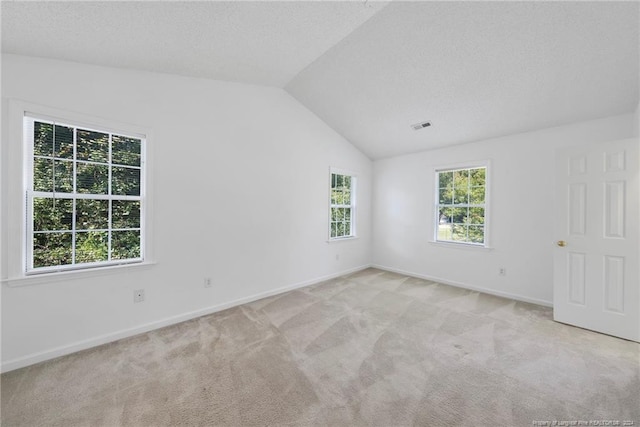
[{"x": 596, "y": 260}]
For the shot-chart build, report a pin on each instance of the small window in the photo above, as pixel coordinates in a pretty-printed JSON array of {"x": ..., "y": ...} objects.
[
  {"x": 343, "y": 205},
  {"x": 85, "y": 201},
  {"x": 461, "y": 205}
]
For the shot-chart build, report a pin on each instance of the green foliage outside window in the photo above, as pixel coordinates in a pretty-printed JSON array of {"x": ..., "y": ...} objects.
[
  {"x": 341, "y": 205},
  {"x": 461, "y": 205},
  {"x": 86, "y": 203}
]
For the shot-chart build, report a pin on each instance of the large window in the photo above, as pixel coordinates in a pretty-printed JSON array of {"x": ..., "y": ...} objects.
[
  {"x": 343, "y": 204},
  {"x": 461, "y": 205},
  {"x": 85, "y": 201}
]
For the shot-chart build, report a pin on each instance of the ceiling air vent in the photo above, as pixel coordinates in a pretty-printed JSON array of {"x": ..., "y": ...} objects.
[{"x": 422, "y": 125}]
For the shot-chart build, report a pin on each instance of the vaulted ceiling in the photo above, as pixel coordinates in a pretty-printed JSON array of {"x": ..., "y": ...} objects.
[
  {"x": 265, "y": 43},
  {"x": 369, "y": 69}
]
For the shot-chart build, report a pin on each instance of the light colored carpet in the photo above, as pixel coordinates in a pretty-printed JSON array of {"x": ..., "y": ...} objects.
[{"x": 373, "y": 348}]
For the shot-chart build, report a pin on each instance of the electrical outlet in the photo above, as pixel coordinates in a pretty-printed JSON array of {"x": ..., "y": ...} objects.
[
  {"x": 207, "y": 282},
  {"x": 502, "y": 271},
  {"x": 138, "y": 295}
]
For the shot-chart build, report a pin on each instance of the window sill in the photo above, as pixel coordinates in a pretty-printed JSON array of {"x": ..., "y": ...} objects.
[
  {"x": 342, "y": 239},
  {"x": 463, "y": 246},
  {"x": 45, "y": 278}
]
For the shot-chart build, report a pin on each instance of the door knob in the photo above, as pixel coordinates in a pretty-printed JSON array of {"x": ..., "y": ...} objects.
[{"x": 561, "y": 243}]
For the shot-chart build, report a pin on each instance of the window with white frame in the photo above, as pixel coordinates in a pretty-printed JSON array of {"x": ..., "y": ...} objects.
[
  {"x": 461, "y": 205},
  {"x": 85, "y": 196},
  {"x": 342, "y": 206}
]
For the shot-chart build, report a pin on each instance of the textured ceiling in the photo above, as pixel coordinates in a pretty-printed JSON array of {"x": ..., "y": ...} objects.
[
  {"x": 475, "y": 69},
  {"x": 253, "y": 42},
  {"x": 369, "y": 69}
]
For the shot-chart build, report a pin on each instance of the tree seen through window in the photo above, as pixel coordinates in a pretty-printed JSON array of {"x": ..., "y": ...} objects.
[
  {"x": 461, "y": 205},
  {"x": 84, "y": 196}
]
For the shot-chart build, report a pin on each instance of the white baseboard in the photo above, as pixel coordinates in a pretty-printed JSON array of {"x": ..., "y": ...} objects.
[
  {"x": 103, "y": 339},
  {"x": 467, "y": 286},
  {"x": 107, "y": 338}
]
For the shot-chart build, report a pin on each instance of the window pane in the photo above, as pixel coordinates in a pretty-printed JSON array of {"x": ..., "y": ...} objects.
[
  {"x": 125, "y": 151},
  {"x": 43, "y": 171},
  {"x": 92, "y": 214},
  {"x": 478, "y": 176},
  {"x": 347, "y": 214},
  {"x": 341, "y": 213},
  {"x": 52, "y": 214},
  {"x": 335, "y": 214},
  {"x": 93, "y": 146},
  {"x": 333, "y": 180},
  {"x": 93, "y": 179},
  {"x": 347, "y": 181},
  {"x": 125, "y": 214},
  {"x": 42, "y": 139},
  {"x": 476, "y": 196},
  {"x": 43, "y": 175},
  {"x": 63, "y": 142},
  {"x": 125, "y": 244},
  {"x": 459, "y": 233},
  {"x": 467, "y": 219},
  {"x": 339, "y": 181},
  {"x": 334, "y": 229},
  {"x": 444, "y": 231},
  {"x": 445, "y": 195},
  {"x": 91, "y": 246},
  {"x": 445, "y": 215},
  {"x": 51, "y": 249},
  {"x": 347, "y": 229},
  {"x": 346, "y": 197},
  {"x": 476, "y": 216},
  {"x": 335, "y": 196},
  {"x": 125, "y": 181},
  {"x": 461, "y": 178},
  {"x": 50, "y": 144},
  {"x": 63, "y": 176},
  {"x": 461, "y": 195},
  {"x": 458, "y": 215},
  {"x": 340, "y": 229},
  {"x": 445, "y": 179},
  {"x": 461, "y": 186},
  {"x": 476, "y": 234}
]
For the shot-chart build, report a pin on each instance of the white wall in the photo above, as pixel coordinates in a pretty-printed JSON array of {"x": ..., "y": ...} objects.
[
  {"x": 636, "y": 121},
  {"x": 240, "y": 195},
  {"x": 522, "y": 196}
]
